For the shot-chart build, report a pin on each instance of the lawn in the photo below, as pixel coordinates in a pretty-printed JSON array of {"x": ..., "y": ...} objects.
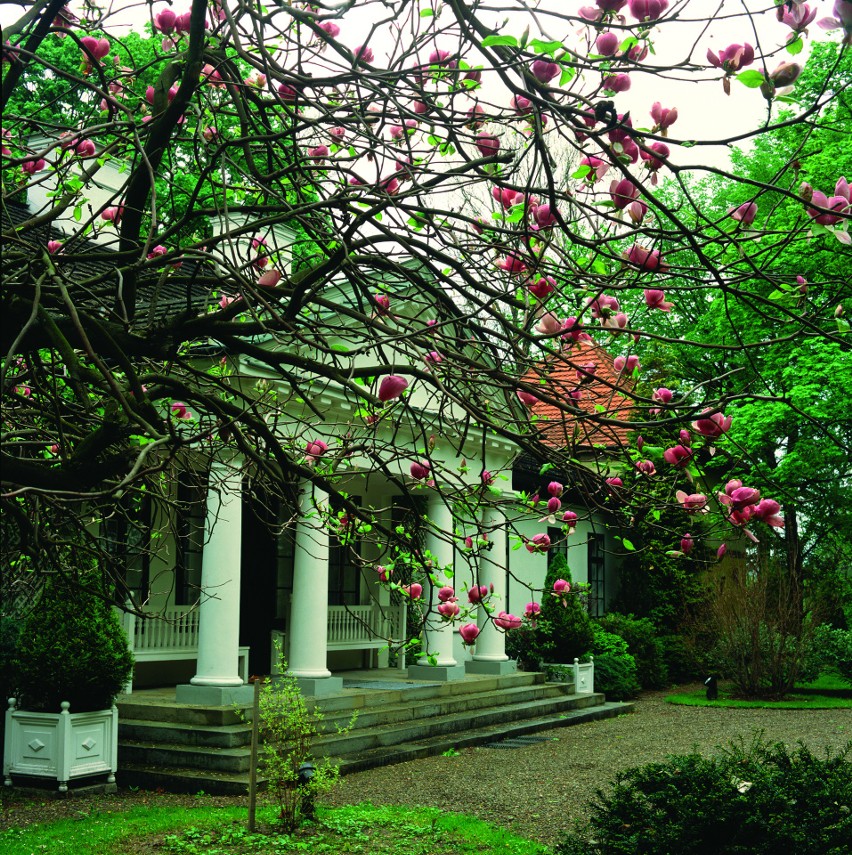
[
  {"x": 825, "y": 693},
  {"x": 358, "y": 829}
]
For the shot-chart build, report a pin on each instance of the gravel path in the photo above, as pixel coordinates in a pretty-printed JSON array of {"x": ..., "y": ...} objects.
[{"x": 536, "y": 790}]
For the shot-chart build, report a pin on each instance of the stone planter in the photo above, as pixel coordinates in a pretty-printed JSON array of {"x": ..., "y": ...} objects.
[
  {"x": 582, "y": 674},
  {"x": 60, "y": 746}
]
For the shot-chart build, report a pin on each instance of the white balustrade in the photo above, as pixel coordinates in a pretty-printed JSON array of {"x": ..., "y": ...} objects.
[{"x": 174, "y": 630}]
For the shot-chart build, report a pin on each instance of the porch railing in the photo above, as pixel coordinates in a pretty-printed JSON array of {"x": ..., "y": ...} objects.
[
  {"x": 172, "y": 631},
  {"x": 361, "y": 627}
]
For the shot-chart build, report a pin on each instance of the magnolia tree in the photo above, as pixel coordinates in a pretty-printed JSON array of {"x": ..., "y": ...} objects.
[{"x": 218, "y": 217}]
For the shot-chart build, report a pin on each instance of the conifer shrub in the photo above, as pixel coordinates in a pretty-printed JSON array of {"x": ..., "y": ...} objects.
[
  {"x": 569, "y": 632},
  {"x": 72, "y": 648}
]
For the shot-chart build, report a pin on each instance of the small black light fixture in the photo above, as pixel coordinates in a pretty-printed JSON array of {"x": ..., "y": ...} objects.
[{"x": 306, "y": 774}]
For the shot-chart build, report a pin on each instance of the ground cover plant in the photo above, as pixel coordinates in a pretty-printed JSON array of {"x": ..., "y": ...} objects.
[
  {"x": 753, "y": 799},
  {"x": 357, "y": 829}
]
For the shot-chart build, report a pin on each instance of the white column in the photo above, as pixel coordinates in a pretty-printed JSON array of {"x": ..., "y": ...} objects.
[
  {"x": 438, "y": 634},
  {"x": 219, "y": 607},
  {"x": 308, "y": 629},
  {"x": 217, "y": 679},
  {"x": 489, "y": 652}
]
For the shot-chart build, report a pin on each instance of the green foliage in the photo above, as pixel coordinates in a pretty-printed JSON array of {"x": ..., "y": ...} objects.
[
  {"x": 683, "y": 660},
  {"x": 615, "y": 668},
  {"x": 759, "y": 799},
  {"x": 72, "y": 648},
  {"x": 566, "y": 619},
  {"x": 835, "y": 646},
  {"x": 288, "y": 729},
  {"x": 644, "y": 646},
  {"x": 799, "y": 699}
]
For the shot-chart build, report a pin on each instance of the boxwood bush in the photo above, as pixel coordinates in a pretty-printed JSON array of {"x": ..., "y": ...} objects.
[
  {"x": 759, "y": 799},
  {"x": 615, "y": 668},
  {"x": 643, "y": 645}
]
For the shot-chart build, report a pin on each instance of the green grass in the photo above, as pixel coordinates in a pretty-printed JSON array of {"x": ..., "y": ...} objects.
[
  {"x": 827, "y": 692},
  {"x": 358, "y": 829}
]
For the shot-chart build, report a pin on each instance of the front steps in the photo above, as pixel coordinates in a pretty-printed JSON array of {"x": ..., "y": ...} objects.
[{"x": 187, "y": 749}]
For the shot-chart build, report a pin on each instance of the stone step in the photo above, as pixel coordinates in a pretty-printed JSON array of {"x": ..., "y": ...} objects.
[
  {"x": 178, "y": 733},
  {"x": 440, "y": 743},
  {"x": 376, "y": 716},
  {"x": 184, "y": 756},
  {"x": 169, "y": 711},
  {"x": 461, "y": 721},
  {"x": 188, "y": 780}
]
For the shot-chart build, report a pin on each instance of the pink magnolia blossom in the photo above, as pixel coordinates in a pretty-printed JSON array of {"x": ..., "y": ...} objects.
[
  {"x": 617, "y": 322},
  {"x": 487, "y": 478},
  {"x": 615, "y": 481},
  {"x": 391, "y": 387},
  {"x": 384, "y": 573},
  {"x": 158, "y": 251},
  {"x": 164, "y": 21},
  {"x": 433, "y": 358},
  {"x": 560, "y": 586},
  {"x": 686, "y": 544},
  {"x": 507, "y": 197},
  {"x": 745, "y": 214},
  {"x": 646, "y": 467},
  {"x": 555, "y": 488},
  {"x": 656, "y": 299},
  {"x": 442, "y": 57},
  {"x": 337, "y": 133},
  {"x": 732, "y": 58},
  {"x": 507, "y": 621},
  {"x": 53, "y": 246},
  {"x": 628, "y": 364},
  {"x": 617, "y": 82},
  {"x": 84, "y": 148},
  {"x": 329, "y": 28},
  {"x": 475, "y": 117},
  {"x": 692, "y": 503},
  {"x": 364, "y": 54},
  {"x": 647, "y": 10},
  {"x": 569, "y": 519},
  {"x": 477, "y": 594},
  {"x": 287, "y": 93},
  {"x": 412, "y": 591},
  {"x": 318, "y": 153},
  {"x": 526, "y": 398},
  {"x": 446, "y": 594},
  {"x": 663, "y": 395},
  {"x": 488, "y": 145},
  {"x": 573, "y": 329},
  {"x": 663, "y": 116},
  {"x": 653, "y": 157},
  {"x": 678, "y": 456},
  {"x": 448, "y": 610},
  {"x": 113, "y": 215},
  {"x": 796, "y": 16},
  {"x": 720, "y": 552},
  {"x": 512, "y": 264},
  {"x": 597, "y": 168},
  {"x": 314, "y": 450},
  {"x": 532, "y": 611},
  {"x": 553, "y": 505},
  {"x": 607, "y": 43},
  {"x": 30, "y": 167},
  {"x": 786, "y": 74},
  {"x": 623, "y": 192},
  {"x": 544, "y": 71},
  {"x": 420, "y": 469},
  {"x": 98, "y": 48},
  {"x": 646, "y": 259},
  {"x": 181, "y": 410},
  {"x": 767, "y": 511},
  {"x": 543, "y": 287},
  {"x": 842, "y": 18},
  {"x": 269, "y": 279},
  {"x": 712, "y": 425},
  {"x": 521, "y": 105},
  {"x": 586, "y": 372},
  {"x": 469, "y": 632},
  {"x": 538, "y": 543},
  {"x": 544, "y": 216},
  {"x": 835, "y": 204}
]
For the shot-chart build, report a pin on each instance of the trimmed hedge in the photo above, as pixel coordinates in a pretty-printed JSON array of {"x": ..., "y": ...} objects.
[
  {"x": 644, "y": 646},
  {"x": 615, "y": 668}
]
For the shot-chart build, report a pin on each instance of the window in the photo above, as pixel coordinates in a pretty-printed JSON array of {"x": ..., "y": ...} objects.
[
  {"x": 127, "y": 538},
  {"x": 597, "y": 575},
  {"x": 285, "y": 552},
  {"x": 192, "y": 511}
]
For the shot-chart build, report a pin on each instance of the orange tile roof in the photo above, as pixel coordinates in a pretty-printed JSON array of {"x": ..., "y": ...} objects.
[{"x": 599, "y": 398}]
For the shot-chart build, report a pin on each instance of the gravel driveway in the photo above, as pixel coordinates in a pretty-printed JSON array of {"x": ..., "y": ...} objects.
[{"x": 535, "y": 790}]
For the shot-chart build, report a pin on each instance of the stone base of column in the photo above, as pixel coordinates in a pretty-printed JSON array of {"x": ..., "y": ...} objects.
[
  {"x": 484, "y": 666},
  {"x": 214, "y": 696},
  {"x": 315, "y": 687},
  {"x": 436, "y": 673}
]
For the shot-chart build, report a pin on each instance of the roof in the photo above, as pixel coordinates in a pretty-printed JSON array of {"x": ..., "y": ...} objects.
[{"x": 569, "y": 373}]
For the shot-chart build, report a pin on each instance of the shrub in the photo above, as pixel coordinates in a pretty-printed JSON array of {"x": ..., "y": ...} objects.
[
  {"x": 643, "y": 645},
  {"x": 684, "y": 661},
  {"x": 71, "y": 648},
  {"x": 764, "y": 642},
  {"x": 759, "y": 799},
  {"x": 288, "y": 730},
  {"x": 615, "y": 668},
  {"x": 570, "y": 633},
  {"x": 835, "y": 646}
]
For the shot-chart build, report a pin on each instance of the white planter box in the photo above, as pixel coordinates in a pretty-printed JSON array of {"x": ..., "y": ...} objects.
[{"x": 62, "y": 746}]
